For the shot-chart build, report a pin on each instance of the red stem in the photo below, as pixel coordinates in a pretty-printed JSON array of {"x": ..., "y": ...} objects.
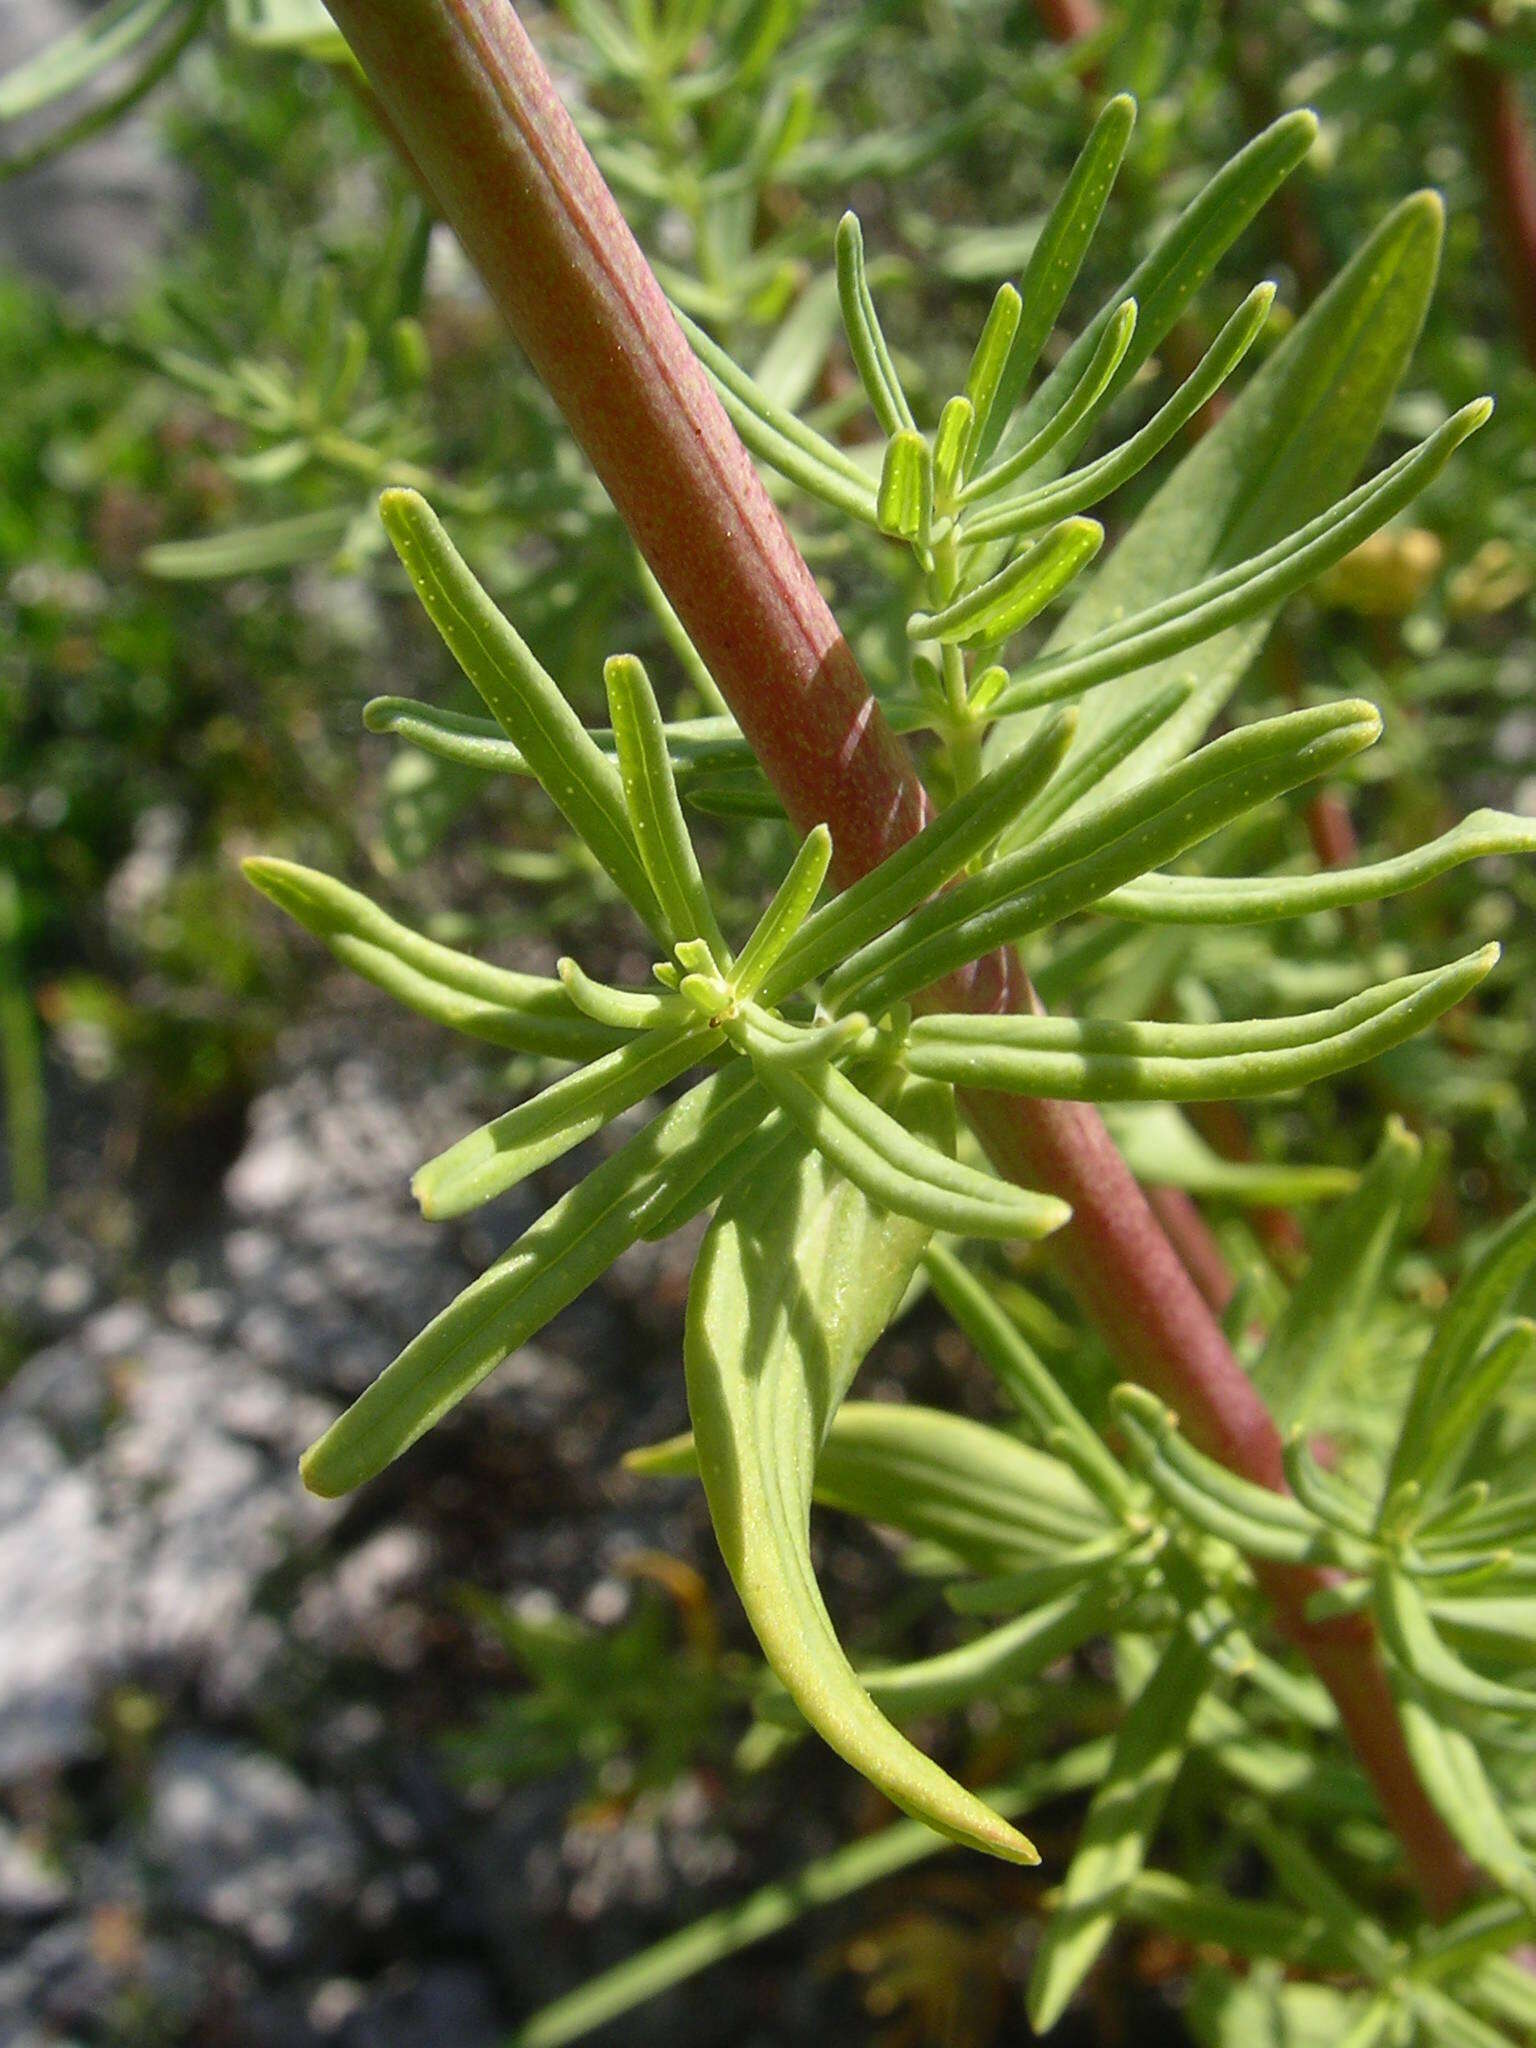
[
  {"x": 1502, "y": 149},
  {"x": 466, "y": 92}
]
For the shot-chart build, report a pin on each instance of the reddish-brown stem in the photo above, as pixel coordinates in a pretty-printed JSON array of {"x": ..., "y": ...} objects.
[
  {"x": 1502, "y": 149},
  {"x": 466, "y": 92}
]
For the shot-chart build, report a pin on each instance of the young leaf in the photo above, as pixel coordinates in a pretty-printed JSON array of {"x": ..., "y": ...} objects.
[
  {"x": 797, "y": 1276},
  {"x": 786, "y": 914},
  {"x": 1054, "y": 262},
  {"x": 1076, "y": 411},
  {"x": 1101, "y": 1059},
  {"x": 550, "y": 1264},
  {"x": 576, "y": 774},
  {"x": 496, "y": 1157},
  {"x": 655, "y": 815},
  {"x": 986, "y": 616},
  {"x": 866, "y": 341},
  {"x": 523, "y": 1012},
  {"x": 1122, "y": 1820},
  {"x": 984, "y": 376},
  {"x": 1086, "y": 486},
  {"x": 904, "y": 501},
  {"x": 1293, "y": 440}
]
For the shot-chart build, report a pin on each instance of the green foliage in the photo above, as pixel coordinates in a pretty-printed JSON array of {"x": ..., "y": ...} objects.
[{"x": 1061, "y": 691}]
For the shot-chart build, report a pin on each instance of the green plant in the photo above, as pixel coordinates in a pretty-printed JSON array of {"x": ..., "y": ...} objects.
[{"x": 839, "y": 1042}]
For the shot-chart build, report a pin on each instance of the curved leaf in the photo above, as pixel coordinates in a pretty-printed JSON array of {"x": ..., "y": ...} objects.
[{"x": 798, "y": 1275}]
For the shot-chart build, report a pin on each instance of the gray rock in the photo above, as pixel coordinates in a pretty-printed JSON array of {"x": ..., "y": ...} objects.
[
  {"x": 245, "y": 1844},
  {"x": 31, "y": 1888}
]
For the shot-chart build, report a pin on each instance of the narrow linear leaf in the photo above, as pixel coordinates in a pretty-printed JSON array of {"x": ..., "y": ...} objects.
[
  {"x": 1452, "y": 1774},
  {"x": 1162, "y": 1147},
  {"x": 866, "y": 340},
  {"x": 655, "y": 815},
  {"x": 775, "y": 435},
  {"x": 1165, "y": 281},
  {"x": 995, "y": 1662},
  {"x": 1086, "y": 486},
  {"x": 1122, "y": 1820},
  {"x": 899, "y": 1171},
  {"x": 1035, "y": 1391},
  {"x": 496, "y": 1157},
  {"x": 1074, "y": 416},
  {"x": 975, "y": 1491},
  {"x": 1410, "y": 1634},
  {"x": 983, "y": 379},
  {"x": 1081, "y": 860},
  {"x": 988, "y": 615},
  {"x": 524, "y": 1012},
  {"x": 1085, "y": 772},
  {"x": 1293, "y": 440},
  {"x": 577, "y": 776},
  {"x": 1251, "y": 590},
  {"x": 786, "y": 914},
  {"x": 550, "y": 1264},
  {"x": 1461, "y": 1330},
  {"x": 248, "y": 550},
  {"x": 1056, "y": 259},
  {"x": 1256, "y": 899},
  {"x": 73, "y": 60},
  {"x": 1098, "y": 1060},
  {"x": 693, "y": 744},
  {"x": 923, "y": 865},
  {"x": 1259, "y": 1522}
]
